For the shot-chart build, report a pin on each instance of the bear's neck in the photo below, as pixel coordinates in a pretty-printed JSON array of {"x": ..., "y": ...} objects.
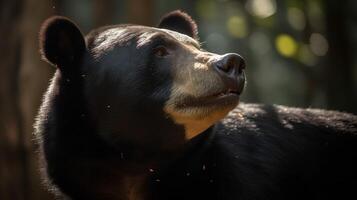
[
  {"x": 145, "y": 183},
  {"x": 113, "y": 176},
  {"x": 84, "y": 166},
  {"x": 148, "y": 175}
]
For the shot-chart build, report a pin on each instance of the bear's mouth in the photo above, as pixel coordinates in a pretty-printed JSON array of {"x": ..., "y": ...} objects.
[
  {"x": 222, "y": 98},
  {"x": 225, "y": 96},
  {"x": 232, "y": 89},
  {"x": 226, "y": 93}
]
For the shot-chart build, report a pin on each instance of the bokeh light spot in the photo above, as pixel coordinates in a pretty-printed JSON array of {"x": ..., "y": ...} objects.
[
  {"x": 237, "y": 27},
  {"x": 318, "y": 44},
  {"x": 261, "y": 8},
  {"x": 286, "y": 45}
]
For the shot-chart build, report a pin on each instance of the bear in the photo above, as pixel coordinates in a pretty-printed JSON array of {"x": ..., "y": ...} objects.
[{"x": 145, "y": 113}]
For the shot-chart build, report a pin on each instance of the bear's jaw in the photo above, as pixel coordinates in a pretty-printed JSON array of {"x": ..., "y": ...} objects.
[
  {"x": 196, "y": 114},
  {"x": 194, "y": 127}
]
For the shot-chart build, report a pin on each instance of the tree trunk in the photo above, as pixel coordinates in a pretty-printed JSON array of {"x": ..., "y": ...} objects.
[
  {"x": 34, "y": 77},
  {"x": 141, "y": 12},
  {"x": 103, "y": 12},
  {"x": 340, "y": 90},
  {"x": 11, "y": 159},
  {"x": 23, "y": 78}
]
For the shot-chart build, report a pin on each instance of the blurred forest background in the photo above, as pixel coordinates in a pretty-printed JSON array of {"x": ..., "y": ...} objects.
[{"x": 299, "y": 53}]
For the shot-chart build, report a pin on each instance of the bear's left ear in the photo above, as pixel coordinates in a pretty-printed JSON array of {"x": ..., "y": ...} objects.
[
  {"x": 180, "y": 22},
  {"x": 61, "y": 42}
]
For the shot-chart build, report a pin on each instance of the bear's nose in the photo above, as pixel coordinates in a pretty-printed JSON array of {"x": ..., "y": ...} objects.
[
  {"x": 230, "y": 64},
  {"x": 230, "y": 68}
]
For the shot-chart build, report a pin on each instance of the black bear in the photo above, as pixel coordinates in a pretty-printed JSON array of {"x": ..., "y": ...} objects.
[{"x": 141, "y": 113}]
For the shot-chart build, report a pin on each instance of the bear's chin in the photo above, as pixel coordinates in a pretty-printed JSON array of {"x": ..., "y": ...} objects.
[
  {"x": 198, "y": 117},
  {"x": 213, "y": 102}
]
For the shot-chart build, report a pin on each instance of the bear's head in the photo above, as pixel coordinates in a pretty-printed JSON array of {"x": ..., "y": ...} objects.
[{"x": 144, "y": 86}]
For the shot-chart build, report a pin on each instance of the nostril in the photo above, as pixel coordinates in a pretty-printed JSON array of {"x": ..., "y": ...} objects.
[
  {"x": 231, "y": 63},
  {"x": 223, "y": 67},
  {"x": 241, "y": 65},
  {"x": 237, "y": 62}
]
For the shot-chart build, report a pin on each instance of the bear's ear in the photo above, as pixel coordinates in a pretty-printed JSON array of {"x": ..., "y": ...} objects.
[
  {"x": 61, "y": 42},
  {"x": 179, "y": 21}
]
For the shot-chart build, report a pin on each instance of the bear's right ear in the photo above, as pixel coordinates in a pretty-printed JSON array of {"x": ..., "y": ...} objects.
[{"x": 61, "y": 42}]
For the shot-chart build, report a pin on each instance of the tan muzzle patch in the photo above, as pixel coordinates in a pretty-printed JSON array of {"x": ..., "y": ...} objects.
[{"x": 193, "y": 124}]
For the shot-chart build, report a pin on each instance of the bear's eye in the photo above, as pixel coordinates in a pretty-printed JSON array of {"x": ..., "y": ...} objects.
[{"x": 161, "y": 51}]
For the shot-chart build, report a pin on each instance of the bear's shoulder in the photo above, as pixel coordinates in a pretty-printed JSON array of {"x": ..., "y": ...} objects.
[
  {"x": 261, "y": 117},
  {"x": 274, "y": 150}
]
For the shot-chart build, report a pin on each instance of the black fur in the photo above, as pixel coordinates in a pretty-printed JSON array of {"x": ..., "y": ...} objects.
[
  {"x": 269, "y": 152},
  {"x": 103, "y": 134}
]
